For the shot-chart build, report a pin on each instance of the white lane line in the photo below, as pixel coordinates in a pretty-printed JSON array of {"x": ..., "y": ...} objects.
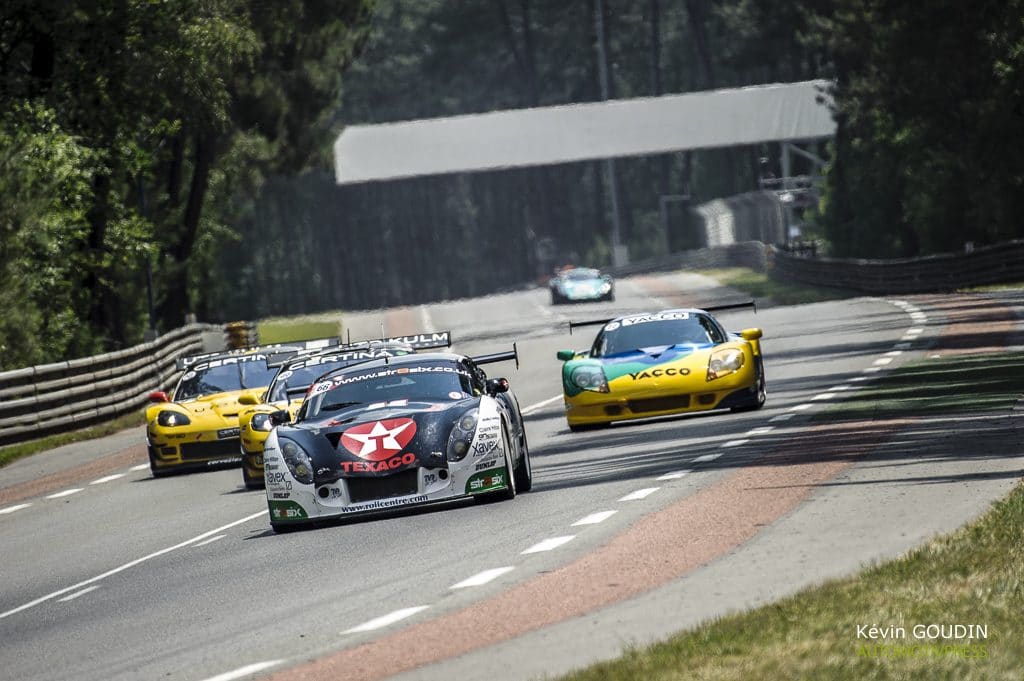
[
  {"x": 839, "y": 388},
  {"x": 916, "y": 331},
  {"x": 428, "y": 323},
  {"x": 823, "y": 396},
  {"x": 107, "y": 478},
  {"x": 77, "y": 594},
  {"x": 387, "y": 620},
  {"x": 672, "y": 476},
  {"x": 131, "y": 564},
  {"x": 245, "y": 671},
  {"x": 894, "y": 353},
  {"x": 640, "y": 494},
  {"x": 782, "y": 417},
  {"x": 12, "y": 509},
  {"x": 549, "y": 544},
  {"x": 140, "y": 467},
  {"x": 872, "y": 370},
  {"x": 707, "y": 457},
  {"x": 763, "y": 430},
  {"x": 209, "y": 541},
  {"x": 65, "y": 493},
  {"x": 735, "y": 443},
  {"x": 595, "y": 518},
  {"x": 482, "y": 578},
  {"x": 882, "y": 361},
  {"x": 801, "y": 407},
  {"x": 858, "y": 379},
  {"x": 534, "y": 407},
  {"x": 918, "y": 316}
]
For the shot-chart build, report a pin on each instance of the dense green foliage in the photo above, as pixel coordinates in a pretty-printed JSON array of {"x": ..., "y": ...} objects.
[
  {"x": 133, "y": 134},
  {"x": 191, "y": 139}
]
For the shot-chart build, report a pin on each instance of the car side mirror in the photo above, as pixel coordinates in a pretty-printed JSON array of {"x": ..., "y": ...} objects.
[
  {"x": 565, "y": 355},
  {"x": 159, "y": 396},
  {"x": 280, "y": 416},
  {"x": 750, "y": 334},
  {"x": 248, "y": 399},
  {"x": 497, "y": 385}
]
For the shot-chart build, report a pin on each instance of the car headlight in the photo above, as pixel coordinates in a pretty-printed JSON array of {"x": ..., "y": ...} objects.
[
  {"x": 261, "y": 422},
  {"x": 589, "y": 378},
  {"x": 297, "y": 460},
  {"x": 724, "y": 362},
  {"x": 606, "y": 287},
  {"x": 169, "y": 419},
  {"x": 462, "y": 435}
]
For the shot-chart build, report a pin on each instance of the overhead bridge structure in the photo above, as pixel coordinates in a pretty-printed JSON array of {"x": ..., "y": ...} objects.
[{"x": 788, "y": 112}]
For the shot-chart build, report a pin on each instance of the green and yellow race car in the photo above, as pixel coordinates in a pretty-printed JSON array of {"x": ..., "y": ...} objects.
[
  {"x": 196, "y": 426},
  {"x": 660, "y": 364},
  {"x": 294, "y": 377}
]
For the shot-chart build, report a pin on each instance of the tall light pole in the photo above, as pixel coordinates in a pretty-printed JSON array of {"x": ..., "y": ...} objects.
[{"x": 620, "y": 253}]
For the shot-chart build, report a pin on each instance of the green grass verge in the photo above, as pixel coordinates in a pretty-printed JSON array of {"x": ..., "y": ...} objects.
[
  {"x": 760, "y": 286},
  {"x": 958, "y": 384},
  {"x": 974, "y": 576},
  {"x": 283, "y": 330},
  {"x": 19, "y": 451}
]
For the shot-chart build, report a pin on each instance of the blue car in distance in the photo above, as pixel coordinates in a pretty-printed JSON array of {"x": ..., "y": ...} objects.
[{"x": 579, "y": 284}]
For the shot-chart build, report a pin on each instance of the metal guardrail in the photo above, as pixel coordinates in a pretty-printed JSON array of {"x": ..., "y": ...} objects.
[
  {"x": 51, "y": 398},
  {"x": 996, "y": 264}
]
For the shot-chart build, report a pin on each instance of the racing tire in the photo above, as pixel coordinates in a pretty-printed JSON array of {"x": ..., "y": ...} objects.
[
  {"x": 609, "y": 298},
  {"x": 523, "y": 473},
  {"x": 157, "y": 472},
  {"x": 762, "y": 391},
  {"x": 251, "y": 482},
  {"x": 556, "y": 299}
]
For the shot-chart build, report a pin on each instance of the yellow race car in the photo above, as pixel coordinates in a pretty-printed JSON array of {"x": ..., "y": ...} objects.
[
  {"x": 293, "y": 379},
  {"x": 660, "y": 364},
  {"x": 196, "y": 427}
]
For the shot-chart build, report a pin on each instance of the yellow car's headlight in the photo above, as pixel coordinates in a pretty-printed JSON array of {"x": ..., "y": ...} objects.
[
  {"x": 724, "y": 362},
  {"x": 261, "y": 422},
  {"x": 169, "y": 419}
]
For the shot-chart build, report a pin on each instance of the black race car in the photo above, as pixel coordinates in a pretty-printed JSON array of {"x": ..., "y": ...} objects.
[{"x": 397, "y": 432}]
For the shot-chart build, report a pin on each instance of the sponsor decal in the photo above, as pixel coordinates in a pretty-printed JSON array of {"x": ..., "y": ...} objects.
[
  {"x": 188, "y": 375},
  {"x": 386, "y": 373},
  {"x": 270, "y": 466},
  {"x": 385, "y": 503},
  {"x": 282, "y": 495},
  {"x": 392, "y": 403},
  {"x": 658, "y": 373},
  {"x": 379, "y": 440},
  {"x": 487, "y": 481},
  {"x": 391, "y": 464},
  {"x": 224, "y": 433},
  {"x": 284, "y": 375},
  {"x": 483, "y": 447},
  {"x": 484, "y": 465},
  {"x": 217, "y": 462},
  {"x": 228, "y": 361},
  {"x": 286, "y": 510},
  {"x": 429, "y": 478},
  {"x": 321, "y": 388},
  {"x": 646, "y": 318},
  {"x": 455, "y": 395},
  {"x": 612, "y": 326}
]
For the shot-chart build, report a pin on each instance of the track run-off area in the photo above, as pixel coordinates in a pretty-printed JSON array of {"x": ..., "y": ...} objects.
[{"x": 631, "y": 533}]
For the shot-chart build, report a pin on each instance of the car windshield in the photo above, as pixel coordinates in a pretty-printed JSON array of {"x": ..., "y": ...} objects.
[
  {"x": 434, "y": 381},
  {"x": 649, "y": 331},
  {"x": 222, "y": 376},
  {"x": 582, "y": 274},
  {"x": 296, "y": 381}
]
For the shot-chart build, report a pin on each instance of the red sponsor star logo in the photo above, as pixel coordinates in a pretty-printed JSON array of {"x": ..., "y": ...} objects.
[{"x": 379, "y": 440}]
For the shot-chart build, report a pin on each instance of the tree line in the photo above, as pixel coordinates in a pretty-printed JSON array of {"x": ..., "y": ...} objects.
[{"x": 186, "y": 145}]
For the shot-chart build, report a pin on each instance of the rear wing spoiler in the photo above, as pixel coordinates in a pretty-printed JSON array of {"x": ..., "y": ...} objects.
[
  {"x": 275, "y": 351},
  {"x": 498, "y": 357},
  {"x": 365, "y": 350},
  {"x": 418, "y": 341},
  {"x": 710, "y": 308}
]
